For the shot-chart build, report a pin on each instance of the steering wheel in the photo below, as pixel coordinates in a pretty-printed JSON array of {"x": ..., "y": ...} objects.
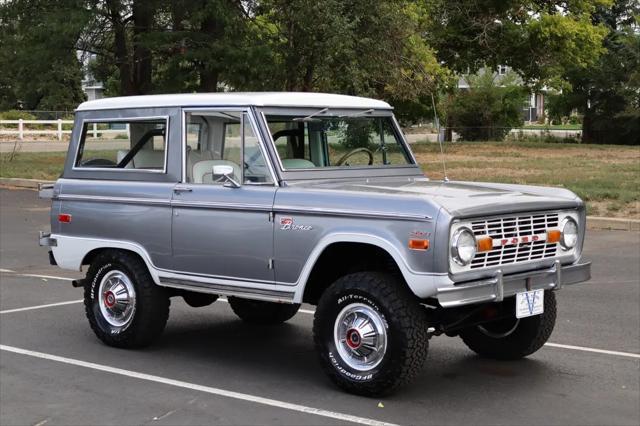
[{"x": 345, "y": 157}]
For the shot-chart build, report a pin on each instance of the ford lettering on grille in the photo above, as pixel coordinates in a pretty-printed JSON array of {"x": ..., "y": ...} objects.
[{"x": 517, "y": 238}]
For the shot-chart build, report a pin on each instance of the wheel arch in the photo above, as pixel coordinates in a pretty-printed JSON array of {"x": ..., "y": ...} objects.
[
  {"x": 73, "y": 252},
  {"x": 371, "y": 253}
]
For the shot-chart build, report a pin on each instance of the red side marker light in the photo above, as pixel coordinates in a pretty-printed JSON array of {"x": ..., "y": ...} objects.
[{"x": 64, "y": 218}]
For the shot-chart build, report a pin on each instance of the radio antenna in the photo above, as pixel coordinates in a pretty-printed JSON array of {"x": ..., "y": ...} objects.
[{"x": 438, "y": 136}]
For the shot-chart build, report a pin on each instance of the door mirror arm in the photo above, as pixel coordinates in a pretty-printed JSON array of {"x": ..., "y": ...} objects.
[{"x": 225, "y": 172}]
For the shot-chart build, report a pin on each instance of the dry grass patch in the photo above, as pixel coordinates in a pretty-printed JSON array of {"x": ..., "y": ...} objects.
[{"x": 607, "y": 177}]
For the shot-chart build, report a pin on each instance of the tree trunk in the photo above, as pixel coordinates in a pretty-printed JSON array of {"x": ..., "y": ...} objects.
[
  {"x": 208, "y": 79},
  {"x": 121, "y": 51},
  {"x": 588, "y": 135},
  {"x": 143, "y": 15},
  {"x": 209, "y": 71},
  {"x": 307, "y": 81}
]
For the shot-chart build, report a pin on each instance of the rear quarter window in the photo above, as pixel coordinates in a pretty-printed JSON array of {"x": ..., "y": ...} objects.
[{"x": 123, "y": 145}]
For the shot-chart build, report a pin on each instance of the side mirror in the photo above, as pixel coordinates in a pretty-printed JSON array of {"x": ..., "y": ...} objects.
[
  {"x": 222, "y": 170},
  {"x": 226, "y": 175}
]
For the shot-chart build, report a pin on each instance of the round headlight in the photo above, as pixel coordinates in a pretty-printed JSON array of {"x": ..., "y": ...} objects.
[
  {"x": 463, "y": 246},
  {"x": 569, "y": 236}
]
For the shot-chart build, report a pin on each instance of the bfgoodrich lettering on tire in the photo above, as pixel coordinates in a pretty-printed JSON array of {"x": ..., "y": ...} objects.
[
  {"x": 370, "y": 333},
  {"x": 124, "y": 306}
]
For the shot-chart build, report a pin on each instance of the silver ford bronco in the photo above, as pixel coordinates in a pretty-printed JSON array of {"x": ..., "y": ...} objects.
[{"x": 278, "y": 199}]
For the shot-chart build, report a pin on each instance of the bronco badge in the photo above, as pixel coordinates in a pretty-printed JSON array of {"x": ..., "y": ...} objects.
[{"x": 286, "y": 224}]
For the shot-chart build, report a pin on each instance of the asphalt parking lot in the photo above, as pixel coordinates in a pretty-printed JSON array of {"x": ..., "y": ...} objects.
[{"x": 210, "y": 368}]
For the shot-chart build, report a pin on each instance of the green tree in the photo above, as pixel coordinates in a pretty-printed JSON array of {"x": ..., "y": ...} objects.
[
  {"x": 358, "y": 47},
  {"x": 39, "y": 68},
  {"x": 488, "y": 110},
  {"x": 607, "y": 93},
  {"x": 539, "y": 39}
]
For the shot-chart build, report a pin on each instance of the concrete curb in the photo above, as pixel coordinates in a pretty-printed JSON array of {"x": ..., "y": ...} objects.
[
  {"x": 22, "y": 183},
  {"x": 593, "y": 222},
  {"x": 612, "y": 223}
]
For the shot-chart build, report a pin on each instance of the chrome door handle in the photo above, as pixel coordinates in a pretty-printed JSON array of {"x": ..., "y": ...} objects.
[{"x": 180, "y": 189}]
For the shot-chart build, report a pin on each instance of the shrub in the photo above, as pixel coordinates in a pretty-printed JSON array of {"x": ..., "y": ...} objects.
[
  {"x": 15, "y": 114},
  {"x": 486, "y": 111}
]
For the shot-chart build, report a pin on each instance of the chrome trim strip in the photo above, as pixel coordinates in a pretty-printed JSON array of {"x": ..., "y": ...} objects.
[
  {"x": 246, "y": 206},
  {"x": 212, "y": 288},
  {"x": 120, "y": 120},
  {"x": 244, "y": 111},
  {"x": 108, "y": 199},
  {"x": 220, "y": 206},
  {"x": 352, "y": 213},
  {"x": 215, "y": 277}
]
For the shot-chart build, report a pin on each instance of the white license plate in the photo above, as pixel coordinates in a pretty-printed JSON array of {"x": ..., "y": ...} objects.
[{"x": 529, "y": 303}]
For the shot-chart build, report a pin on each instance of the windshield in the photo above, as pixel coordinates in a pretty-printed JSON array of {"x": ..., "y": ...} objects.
[{"x": 319, "y": 140}]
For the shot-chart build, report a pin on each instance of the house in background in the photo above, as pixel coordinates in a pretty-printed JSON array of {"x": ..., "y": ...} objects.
[
  {"x": 533, "y": 108},
  {"x": 90, "y": 86}
]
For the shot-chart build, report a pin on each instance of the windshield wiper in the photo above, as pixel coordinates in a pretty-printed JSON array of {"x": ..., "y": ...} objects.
[
  {"x": 357, "y": 114},
  {"x": 310, "y": 117}
]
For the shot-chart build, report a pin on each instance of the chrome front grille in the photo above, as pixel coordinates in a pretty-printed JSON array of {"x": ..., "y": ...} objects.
[{"x": 508, "y": 227}]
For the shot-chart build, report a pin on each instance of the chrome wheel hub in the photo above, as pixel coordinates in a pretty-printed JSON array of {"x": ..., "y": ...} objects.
[
  {"x": 360, "y": 336},
  {"x": 117, "y": 298}
]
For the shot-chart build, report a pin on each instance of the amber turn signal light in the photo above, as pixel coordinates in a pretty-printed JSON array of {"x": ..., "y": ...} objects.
[
  {"x": 553, "y": 236},
  {"x": 418, "y": 244},
  {"x": 484, "y": 244}
]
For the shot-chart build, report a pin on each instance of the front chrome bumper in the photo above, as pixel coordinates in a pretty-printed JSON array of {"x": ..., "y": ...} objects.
[{"x": 500, "y": 286}]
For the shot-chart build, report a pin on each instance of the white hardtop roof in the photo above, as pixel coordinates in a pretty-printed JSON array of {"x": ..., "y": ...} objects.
[{"x": 273, "y": 99}]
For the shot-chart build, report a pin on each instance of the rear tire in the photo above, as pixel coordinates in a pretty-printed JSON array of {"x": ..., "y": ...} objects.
[
  {"x": 261, "y": 312},
  {"x": 513, "y": 338},
  {"x": 370, "y": 333},
  {"x": 124, "y": 306}
]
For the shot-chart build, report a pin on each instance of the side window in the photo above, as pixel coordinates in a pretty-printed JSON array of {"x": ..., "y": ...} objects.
[
  {"x": 224, "y": 138},
  {"x": 122, "y": 144}
]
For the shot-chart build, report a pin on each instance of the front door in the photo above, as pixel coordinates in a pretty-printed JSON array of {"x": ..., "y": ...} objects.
[{"x": 222, "y": 233}]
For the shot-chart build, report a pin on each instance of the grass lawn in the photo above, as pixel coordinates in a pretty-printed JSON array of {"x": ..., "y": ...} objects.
[
  {"x": 606, "y": 176},
  {"x": 553, "y": 127},
  {"x": 33, "y": 165}
]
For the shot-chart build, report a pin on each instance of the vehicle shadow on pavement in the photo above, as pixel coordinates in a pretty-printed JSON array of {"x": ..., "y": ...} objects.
[{"x": 286, "y": 353}]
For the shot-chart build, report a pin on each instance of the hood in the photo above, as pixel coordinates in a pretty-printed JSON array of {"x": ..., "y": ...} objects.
[{"x": 460, "y": 199}]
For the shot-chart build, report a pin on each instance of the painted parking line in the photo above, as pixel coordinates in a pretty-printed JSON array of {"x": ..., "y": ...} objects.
[
  {"x": 594, "y": 350},
  {"x": 48, "y": 277},
  {"x": 311, "y": 312},
  {"x": 200, "y": 388},
  {"x": 49, "y": 305}
]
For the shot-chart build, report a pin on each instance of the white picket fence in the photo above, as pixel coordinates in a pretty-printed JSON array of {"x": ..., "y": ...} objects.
[
  {"x": 48, "y": 127},
  {"x": 23, "y": 127}
]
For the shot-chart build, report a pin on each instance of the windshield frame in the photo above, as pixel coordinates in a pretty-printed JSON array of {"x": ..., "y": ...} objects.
[{"x": 410, "y": 169}]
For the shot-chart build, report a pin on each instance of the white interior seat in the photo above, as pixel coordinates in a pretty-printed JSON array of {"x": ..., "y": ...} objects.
[
  {"x": 144, "y": 159},
  {"x": 297, "y": 163}
]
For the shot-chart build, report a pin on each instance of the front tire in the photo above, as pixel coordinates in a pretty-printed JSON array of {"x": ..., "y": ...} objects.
[
  {"x": 513, "y": 338},
  {"x": 124, "y": 306},
  {"x": 370, "y": 333},
  {"x": 260, "y": 312}
]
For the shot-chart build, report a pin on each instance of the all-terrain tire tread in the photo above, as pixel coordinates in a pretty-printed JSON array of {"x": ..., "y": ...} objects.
[
  {"x": 153, "y": 302},
  {"x": 405, "y": 310}
]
